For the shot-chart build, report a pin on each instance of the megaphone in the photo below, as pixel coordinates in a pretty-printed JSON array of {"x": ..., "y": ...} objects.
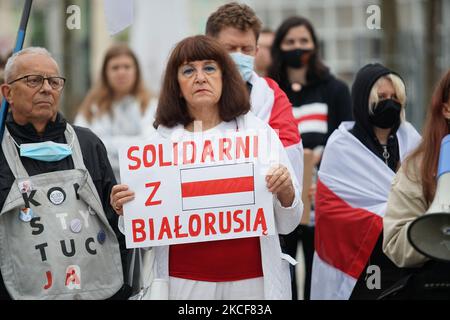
[{"x": 430, "y": 233}]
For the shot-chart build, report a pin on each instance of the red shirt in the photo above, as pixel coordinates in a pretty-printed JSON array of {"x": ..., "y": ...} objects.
[
  {"x": 217, "y": 261},
  {"x": 282, "y": 118}
]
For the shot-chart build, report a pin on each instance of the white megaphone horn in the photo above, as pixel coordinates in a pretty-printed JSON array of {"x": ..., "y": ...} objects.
[{"x": 430, "y": 233}]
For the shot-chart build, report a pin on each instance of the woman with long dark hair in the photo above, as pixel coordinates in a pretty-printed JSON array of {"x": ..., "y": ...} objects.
[
  {"x": 320, "y": 101},
  {"x": 203, "y": 85}
]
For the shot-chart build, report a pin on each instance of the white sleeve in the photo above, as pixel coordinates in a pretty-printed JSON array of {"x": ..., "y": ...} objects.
[
  {"x": 121, "y": 225},
  {"x": 148, "y": 119},
  {"x": 296, "y": 158}
]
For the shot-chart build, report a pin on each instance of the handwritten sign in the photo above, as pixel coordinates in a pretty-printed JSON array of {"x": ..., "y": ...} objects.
[{"x": 197, "y": 188}]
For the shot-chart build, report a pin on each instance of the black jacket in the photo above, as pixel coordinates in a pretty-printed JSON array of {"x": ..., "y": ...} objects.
[
  {"x": 94, "y": 157},
  {"x": 330, "y": 91}
]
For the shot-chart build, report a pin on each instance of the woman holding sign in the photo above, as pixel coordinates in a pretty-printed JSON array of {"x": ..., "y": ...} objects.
[{"x": 203, "y": 92}]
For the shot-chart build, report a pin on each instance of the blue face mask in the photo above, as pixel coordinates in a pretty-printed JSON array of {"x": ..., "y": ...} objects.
[
  {"x": 48, "y": 151},
  {"x": 245, "y": 64}
]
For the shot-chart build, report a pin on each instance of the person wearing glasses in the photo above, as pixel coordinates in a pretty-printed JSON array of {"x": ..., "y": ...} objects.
[
  {"x": 202, "y": 85},
  {"x": 58, "y": 233}
]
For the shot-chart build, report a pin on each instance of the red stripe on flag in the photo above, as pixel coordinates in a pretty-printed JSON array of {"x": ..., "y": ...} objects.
[
  {"x": 319, "y": 117},
  {"x": 215, "y": 187},
  {"x": 281, "y": 117},
  {"x": 344, "y": 236}
]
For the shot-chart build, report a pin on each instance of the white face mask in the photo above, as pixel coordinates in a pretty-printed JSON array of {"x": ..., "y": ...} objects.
[
  {"x": 47, "y": 151},
  {"x": 245, "y": 64}
]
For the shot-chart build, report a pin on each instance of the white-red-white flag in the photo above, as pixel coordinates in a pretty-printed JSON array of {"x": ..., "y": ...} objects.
[
  {"x": 119, "y": 15},
  {"x": 312, "y": 118},
  {"x": 218, "y": 186},
  {"x": 352, "y": 193}
]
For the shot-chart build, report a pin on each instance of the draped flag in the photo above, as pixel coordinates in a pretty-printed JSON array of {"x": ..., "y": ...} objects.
[
  {"x": 352, "y": 193},
  {"x": 119, "y": 15}
]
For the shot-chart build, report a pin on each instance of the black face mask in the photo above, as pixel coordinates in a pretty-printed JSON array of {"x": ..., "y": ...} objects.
[
  {"x": 296, "y": 58},
  {"x": 386, "y": 114}
]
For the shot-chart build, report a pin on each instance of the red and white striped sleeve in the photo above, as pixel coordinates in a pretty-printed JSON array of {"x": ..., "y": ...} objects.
[{"x": 283, "y": 122}]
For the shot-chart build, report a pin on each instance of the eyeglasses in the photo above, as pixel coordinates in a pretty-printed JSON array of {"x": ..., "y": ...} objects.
[{"x": 35, "y": 81}]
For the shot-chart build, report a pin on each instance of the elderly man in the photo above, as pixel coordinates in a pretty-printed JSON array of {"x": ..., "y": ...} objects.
[{"x": 58, "y": 237}]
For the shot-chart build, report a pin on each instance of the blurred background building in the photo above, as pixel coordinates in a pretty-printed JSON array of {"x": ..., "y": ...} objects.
[{"x": 414, "y": 38}]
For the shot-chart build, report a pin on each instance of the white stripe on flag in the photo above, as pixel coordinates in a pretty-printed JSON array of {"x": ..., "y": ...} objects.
[
  {"x": 218, "y": 201},
  {"x": 329, "y": 283},
  {"x": 316, "y": 126},
  {"x": 216, "y": 173},
  {"x": 308, "y": 109},
  {"x": 218, "y": 186},
  {"x": 368, "y": 189},
  {"x": 119, "y": 15}
]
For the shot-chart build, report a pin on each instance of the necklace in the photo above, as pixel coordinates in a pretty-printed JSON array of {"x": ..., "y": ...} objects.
[
  {"x": 386, "y": 154},
  {"x": 296, "y": 87}
]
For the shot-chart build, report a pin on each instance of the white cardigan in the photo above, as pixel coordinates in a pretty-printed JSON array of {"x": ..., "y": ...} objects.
[
  {"x": 125, "y": 122},
  {"x": 277, "y": 281}
]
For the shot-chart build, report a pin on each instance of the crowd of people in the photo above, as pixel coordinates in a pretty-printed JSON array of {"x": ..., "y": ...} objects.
[{"x": 367, "y": 172}]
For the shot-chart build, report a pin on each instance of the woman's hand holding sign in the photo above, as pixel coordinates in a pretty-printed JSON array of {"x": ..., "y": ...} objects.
[
  {"x": 279, "y": 182},
  {"x": 120, "y": 194}
]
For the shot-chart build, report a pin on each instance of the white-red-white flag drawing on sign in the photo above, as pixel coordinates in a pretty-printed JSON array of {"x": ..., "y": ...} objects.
[{"x": 218, "y": 186}]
